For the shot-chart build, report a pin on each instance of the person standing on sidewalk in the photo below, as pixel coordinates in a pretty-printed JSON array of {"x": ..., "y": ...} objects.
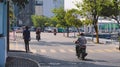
[{"x": 26, "y": 37}]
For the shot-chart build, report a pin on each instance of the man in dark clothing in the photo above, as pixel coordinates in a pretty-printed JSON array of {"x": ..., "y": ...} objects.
[
  {"x": 26, "y": 37},
  {"x": 81, "y": 41}
]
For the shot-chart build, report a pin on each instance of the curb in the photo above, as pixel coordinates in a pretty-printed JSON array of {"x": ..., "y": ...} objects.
[{"x": 26, "y": 59}]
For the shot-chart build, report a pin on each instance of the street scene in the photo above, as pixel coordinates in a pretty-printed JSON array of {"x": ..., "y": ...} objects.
[
  {"x": 59, "y": 51},
  {"x": 59, "y": 33}
]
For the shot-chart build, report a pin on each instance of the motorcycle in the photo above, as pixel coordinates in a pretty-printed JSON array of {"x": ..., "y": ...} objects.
[
  {"x": 38, "y": 37},
  {"x": 80, "y": 51},
  {"x": 54, "y": 33}
]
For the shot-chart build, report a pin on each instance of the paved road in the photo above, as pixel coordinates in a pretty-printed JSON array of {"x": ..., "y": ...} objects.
[{"x": 59, "y": 51}]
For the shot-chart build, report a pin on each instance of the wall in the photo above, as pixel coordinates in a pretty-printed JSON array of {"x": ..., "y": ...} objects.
[{"x": 3, "y": 32}]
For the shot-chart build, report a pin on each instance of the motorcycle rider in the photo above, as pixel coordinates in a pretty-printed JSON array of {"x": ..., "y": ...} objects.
[
  {"x": 54, "y": 31},
  {"x": 38, "y": 32},
  {"x": 81, "y": 42}
]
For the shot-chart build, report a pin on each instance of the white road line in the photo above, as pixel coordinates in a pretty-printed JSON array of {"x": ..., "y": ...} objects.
[
  {"x": 91, "y": 51},
  {"x": 71, "y": 50},
  {"x": 52, "y": 51},
  {"x": 99, "y": 50},
  {"x": 107, "y": 50},
  {"x": 43, "y": 51},
  {"x": 116, "y": 50},
  {"x": 33, "y": 50},
  {"x": 62, "y": 51}
]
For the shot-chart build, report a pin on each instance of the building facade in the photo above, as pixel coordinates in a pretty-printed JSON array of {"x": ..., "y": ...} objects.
[
  {"x": 45, "y": 7},
  {"x": 23, "y": 16},
  {"x": 38, "y": 7}
]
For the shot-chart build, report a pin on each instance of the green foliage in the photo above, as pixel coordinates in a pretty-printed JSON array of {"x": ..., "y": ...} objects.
[
  {"x": 111, "y": 8},
  {"x": 60, "y": 17},
  {"x": 92, "y": 9},
  {"x": 39, "y": 21},
  {"x": 71, "y": 18}
]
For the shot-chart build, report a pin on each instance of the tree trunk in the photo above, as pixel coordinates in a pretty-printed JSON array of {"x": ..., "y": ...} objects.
[
  {"x": 67, "y": 31},
  {"x": 97, "y": 35},
  {"x": 78, "y": 30}
]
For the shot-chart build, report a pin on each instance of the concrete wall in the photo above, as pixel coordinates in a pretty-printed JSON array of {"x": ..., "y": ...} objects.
[
  {"x": 3, "y": 32},
  {"x": 3, "y": 52}
]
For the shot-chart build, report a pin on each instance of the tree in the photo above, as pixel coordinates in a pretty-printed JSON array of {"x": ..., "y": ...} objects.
[
  {"x": 51, "y": 22},
  {"x": 60, "y": 18},
  {"x": 39, "y": 21},
  {"x": 72, "y": 20},
  {"x": 93, "y": 9},
  {"x": 113, "y": 11}
]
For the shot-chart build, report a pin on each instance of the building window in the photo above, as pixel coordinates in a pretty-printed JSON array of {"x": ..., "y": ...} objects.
[{"x": 39, "y": 2}]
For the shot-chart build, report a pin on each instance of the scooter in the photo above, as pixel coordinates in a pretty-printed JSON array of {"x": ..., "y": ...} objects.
[
  {"x": 55, "y": 33},
  {"x": 38, "y": 37},
  {"x": 81, "y": 53}
]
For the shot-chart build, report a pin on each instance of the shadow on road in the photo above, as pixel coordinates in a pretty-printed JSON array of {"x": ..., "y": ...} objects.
[{"x": 47, "y": 61}]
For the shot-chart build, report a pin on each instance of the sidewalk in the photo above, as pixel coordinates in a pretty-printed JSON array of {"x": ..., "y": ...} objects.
[{"x": 16, "y": 59}]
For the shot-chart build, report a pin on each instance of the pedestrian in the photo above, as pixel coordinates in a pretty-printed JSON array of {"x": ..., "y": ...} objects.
[
  {"x": 26, "y": 37},
  {"x": 81, "y": 41},
  {"x": 38, "y": 32}
]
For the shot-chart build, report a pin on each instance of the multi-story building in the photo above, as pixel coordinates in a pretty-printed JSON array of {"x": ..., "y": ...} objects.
[
  {"x": 39, "y": 7},
  {"x": 24, "y": 15},
  {"x": 45, "y": 7}
]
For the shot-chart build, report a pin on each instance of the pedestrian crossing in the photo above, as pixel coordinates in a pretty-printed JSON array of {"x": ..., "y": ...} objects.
[
  {"x": 63, "y": 50},
  {"x": 73, "y": 50}
]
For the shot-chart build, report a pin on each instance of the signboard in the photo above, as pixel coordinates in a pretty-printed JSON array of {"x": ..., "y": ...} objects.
[{"x": 1, "y": 19}]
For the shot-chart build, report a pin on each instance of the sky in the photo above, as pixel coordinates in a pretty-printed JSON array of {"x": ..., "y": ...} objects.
[{"x": 69, "y": 4}]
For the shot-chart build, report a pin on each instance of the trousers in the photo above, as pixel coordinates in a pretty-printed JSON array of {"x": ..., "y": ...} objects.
[{"x": 26, "y": 45}]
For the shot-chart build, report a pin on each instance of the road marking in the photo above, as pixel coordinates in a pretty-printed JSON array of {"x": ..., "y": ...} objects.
[
  {"x": 71, "y": 50},
  {"x": 91, "y": 51},
  {"x": 116, "y": 50},
  {"x": 61, "y": 50},
  {"x": 33, "y": 50},
  {"x": 52, "y": 51},
  {"x": 99, "y": 50},
  {"x": 43, "y": 51},
  {"x": 107, "y": 50},
  {"x": 19, "y": 47}
]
